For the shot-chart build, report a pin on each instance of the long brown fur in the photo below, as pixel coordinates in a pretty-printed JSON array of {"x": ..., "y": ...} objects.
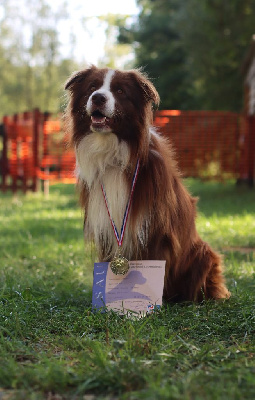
[{"x": 193, "y": 269}]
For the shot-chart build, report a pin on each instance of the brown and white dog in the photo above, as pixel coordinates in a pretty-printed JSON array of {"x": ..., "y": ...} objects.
[{"x": 109, "y": 118}]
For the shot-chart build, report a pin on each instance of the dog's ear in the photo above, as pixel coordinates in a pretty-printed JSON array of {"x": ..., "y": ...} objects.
[
  {"x": 78, "y": 77},
  {"x": 149, "y": 91}
]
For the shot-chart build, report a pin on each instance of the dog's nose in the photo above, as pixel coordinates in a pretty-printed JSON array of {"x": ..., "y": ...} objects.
[{"x": 99, "y": 99}]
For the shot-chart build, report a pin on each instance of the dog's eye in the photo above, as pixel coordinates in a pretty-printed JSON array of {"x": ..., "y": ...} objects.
[
  {"x": 119, "y": 91},
  {"x": 92, "y": 88}
]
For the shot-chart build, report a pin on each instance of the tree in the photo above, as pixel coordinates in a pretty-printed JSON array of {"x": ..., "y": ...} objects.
[
  {"x": 32, "y": 70},
  {"x": 216, "y": 34},
  {"x": 160, "y": 51},
  {"x": 116, "y": 55},
  {"x": 194, "y": 50}
]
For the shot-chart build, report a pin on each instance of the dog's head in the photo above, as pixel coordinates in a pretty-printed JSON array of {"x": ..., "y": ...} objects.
[{"x": 111, "y": 101}]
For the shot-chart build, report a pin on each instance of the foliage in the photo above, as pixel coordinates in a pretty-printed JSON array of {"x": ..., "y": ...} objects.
[
  {"x": 53, "y": 347},
  {"x": 115, "y": 54},
  {"x": 158, "y": 48},
  {"x": 217, "y": 34},
  {"x": 32, "y": 71},
  {"x": 194, "y": 50}
]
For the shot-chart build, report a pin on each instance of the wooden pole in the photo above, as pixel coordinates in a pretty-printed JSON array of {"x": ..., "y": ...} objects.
[
  {"x": 4, "y": 156},
  {"x": 36, "y": 141},
  {"x": 46, "y": 182},
  {"x": 251, "y": 172},
  {"x": 14, "y": 145}
]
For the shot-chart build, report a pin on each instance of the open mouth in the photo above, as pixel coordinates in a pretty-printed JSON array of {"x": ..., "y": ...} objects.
[
  {"x": 98, "y": 118},
  {"x": 100, "y": 122}
]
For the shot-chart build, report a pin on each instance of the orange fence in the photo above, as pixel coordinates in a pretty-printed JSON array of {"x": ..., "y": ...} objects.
[
  {"x": 57, "y": 161},
  {"x": 208, "y": 144},
  {"x": 19, "y": 160},
  {"x": 34, "y": 149}
]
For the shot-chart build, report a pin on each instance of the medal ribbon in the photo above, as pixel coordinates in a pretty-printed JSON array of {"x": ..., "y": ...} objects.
[{"x": 120, "y": 237}]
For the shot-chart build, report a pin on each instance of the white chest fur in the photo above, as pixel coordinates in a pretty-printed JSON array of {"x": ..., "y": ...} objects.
[{"x": 103, "y": 159}]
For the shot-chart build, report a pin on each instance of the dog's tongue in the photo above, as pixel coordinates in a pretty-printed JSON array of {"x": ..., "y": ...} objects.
[{"x": 98, "y": 119}]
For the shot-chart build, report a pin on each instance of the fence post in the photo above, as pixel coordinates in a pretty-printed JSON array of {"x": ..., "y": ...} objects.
[
  {"x": 4, "y": 164},
  {"x": 14, "y": 161},
  {"x": 251, "y": 171},
  {"x": 36, "y": 141},
  {"x": 46, "y": 182},
  {"x": 25, "y": 117}
]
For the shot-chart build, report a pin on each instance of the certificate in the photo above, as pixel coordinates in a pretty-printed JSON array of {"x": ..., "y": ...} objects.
[{"x": 137, "y": 293}]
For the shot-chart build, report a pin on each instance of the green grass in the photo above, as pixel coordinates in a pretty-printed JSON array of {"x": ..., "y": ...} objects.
[{"x": 53, "y": 347}]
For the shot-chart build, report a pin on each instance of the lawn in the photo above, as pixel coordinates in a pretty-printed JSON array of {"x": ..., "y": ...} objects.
[{"x": 53, "y": 347}]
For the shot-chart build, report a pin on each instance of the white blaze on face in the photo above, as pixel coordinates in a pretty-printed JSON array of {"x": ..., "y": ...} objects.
[{"x": 109, "y": 106}]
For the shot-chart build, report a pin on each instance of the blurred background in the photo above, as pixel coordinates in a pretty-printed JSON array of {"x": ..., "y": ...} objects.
[
  {"x": 193, "y": 50},
  {"x": 200, "y": 56}
]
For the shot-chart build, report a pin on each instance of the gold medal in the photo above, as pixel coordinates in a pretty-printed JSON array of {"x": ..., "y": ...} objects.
[{"x": 119, "y": 265}]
